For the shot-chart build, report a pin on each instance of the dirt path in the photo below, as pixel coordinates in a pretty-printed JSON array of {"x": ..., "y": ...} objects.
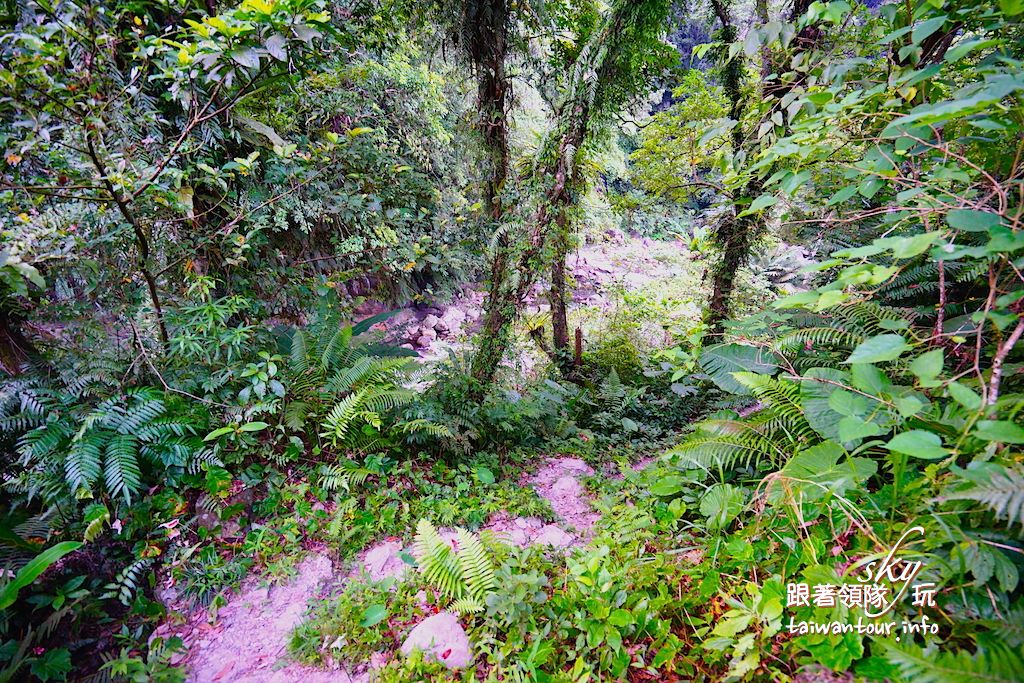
[
  {"x": 557, "y": 481},
  {"x": 249, "y": 642}
]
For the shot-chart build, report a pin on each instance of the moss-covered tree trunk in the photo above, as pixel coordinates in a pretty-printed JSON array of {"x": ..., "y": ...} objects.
[
  {"x": 606, "y": 57},
  {"x": 734, "y": 235},
  {"x": 504, "y": 302},
  {"x": 485, "y": 32}
]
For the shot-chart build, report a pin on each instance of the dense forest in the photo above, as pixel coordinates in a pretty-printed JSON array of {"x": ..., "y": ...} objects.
[{"x": 512, "y": 340}]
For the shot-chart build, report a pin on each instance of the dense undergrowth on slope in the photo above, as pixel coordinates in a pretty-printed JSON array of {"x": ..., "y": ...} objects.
[{"x": 207, "y": 207}]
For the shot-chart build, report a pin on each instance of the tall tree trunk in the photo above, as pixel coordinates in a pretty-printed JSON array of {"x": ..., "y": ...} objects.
[
  {"x": 557, "y": 169},
  {"x": 733, "y": 234},
  {"x": 141, "y": 240},
  {"x": 558, "y": 300},
  {"x": 485, "y": 31},
  {"x": 504, "y": 303}
]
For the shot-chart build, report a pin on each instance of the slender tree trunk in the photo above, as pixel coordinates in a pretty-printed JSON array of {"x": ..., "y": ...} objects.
[
  {"x": 558, "y": 300},
  {"x": 557, "y": 170},
  {"x": 732, "y": 234},
  {"x": 735, "y": 236},
  {"x": 485, "y": 29},
  {"x": 141, "y": 240},
  {"x": 504, "y": 302}
]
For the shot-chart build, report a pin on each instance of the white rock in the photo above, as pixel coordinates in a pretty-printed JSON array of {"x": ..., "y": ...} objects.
[
  {"x": 567, "y": 485},
  {"x": 383, "y": 561},
  {"x": 531, "y": 523},
  {"x": 428, "y": 332},
  {"x": 440, "y": 638},
  {"x": 453, "y": 317},
  {"x": 517, "y": 537},
  {"x": 430, "y": 322},
  {"x": 553, "y": 536}
]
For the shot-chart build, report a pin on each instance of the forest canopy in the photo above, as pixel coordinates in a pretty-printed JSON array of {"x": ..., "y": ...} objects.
[{"x": 493, "y": 340}]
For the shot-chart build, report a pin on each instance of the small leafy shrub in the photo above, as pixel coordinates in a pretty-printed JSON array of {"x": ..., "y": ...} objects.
[
  {"x": 207, "y": 577},
  {"x": 366, "y": 618}
]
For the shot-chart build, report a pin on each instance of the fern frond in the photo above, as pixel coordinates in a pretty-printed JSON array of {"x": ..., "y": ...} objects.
[
  {"x": 121, "y": 466},
  {"x": 383, "y": 400},
  {"x": 465, "y": 575},
  {"x": 336, "y": 351},
  {"x": 829, "y": 337},
  {"x": 424, "y": 426},
  {"x": 477, "y": 571},
  {"x": 340, "y": 417},
  {"x": 82, "y": 467},
  {"x": 295, "y": 413},
  {"x": 1003, "y": 493},
  {"x": 437, "y": 561},
  {"x": 299, "y": 352},
  {"x": 995, "y": 664},
  {"x": 127, "y": 582},
  {"x": 466, "y": 606},
  {"x": 365, "y": 371}
]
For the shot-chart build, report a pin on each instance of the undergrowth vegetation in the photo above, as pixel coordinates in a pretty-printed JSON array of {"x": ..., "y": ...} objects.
[{"x": 294, "y": 278}]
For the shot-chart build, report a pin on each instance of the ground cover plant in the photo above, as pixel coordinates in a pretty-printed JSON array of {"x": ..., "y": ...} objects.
[{"x": 557, "y": 341}]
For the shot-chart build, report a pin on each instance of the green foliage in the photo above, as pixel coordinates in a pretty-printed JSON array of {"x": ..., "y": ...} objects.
[
  {"x": 183, "y": 193},
  {"x": 994, "y": 663},
  {"x": 89, "y": 443},
  {"x": 9, "y": 588},
  {"x": 365, "y": 618},
  {"x": 155, "y": 666},
  {"x": 1000, "y": 488},
  {"x": 460, "y": 569},
  {"x": 209, "y": 575},
  {"x": 681, "y": 144}
]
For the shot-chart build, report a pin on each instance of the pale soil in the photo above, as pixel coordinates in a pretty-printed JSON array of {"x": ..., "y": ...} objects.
[{"x": 249, "y": 642}]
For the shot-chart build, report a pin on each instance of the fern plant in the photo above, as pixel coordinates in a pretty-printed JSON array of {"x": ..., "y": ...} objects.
[
  {"x": 995, "y": 663},
  {"x": 999, "y": 488},
  {"x": 350, "y": 387},
  {"x": 463, "y": 574},
  {"x": 80, "y": 445},
  {"x": 768, "y": 437}
]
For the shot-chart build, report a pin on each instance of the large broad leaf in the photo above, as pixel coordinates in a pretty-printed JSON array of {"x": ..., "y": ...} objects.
[
  {"x": 839, "y": 413},
  {"x": 816, "y": 475},
  {"x": 366, "y": 323},
  {"x": 972, "y": 221},
  {"x": 878, "y": 349},
  {"x": 816, "y": 387},
  {"x": 31, "y": 571},
  {"x": 826, "y": 469},
  {"x": 373, "y": 615},
  {"x": 721, "y": 360},
  {"x": 666, "y": 486},
  {"x": 721, "y": 504},
  {"x": 918, "y": 443},
  {"x": 1002, "y": 431}
]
